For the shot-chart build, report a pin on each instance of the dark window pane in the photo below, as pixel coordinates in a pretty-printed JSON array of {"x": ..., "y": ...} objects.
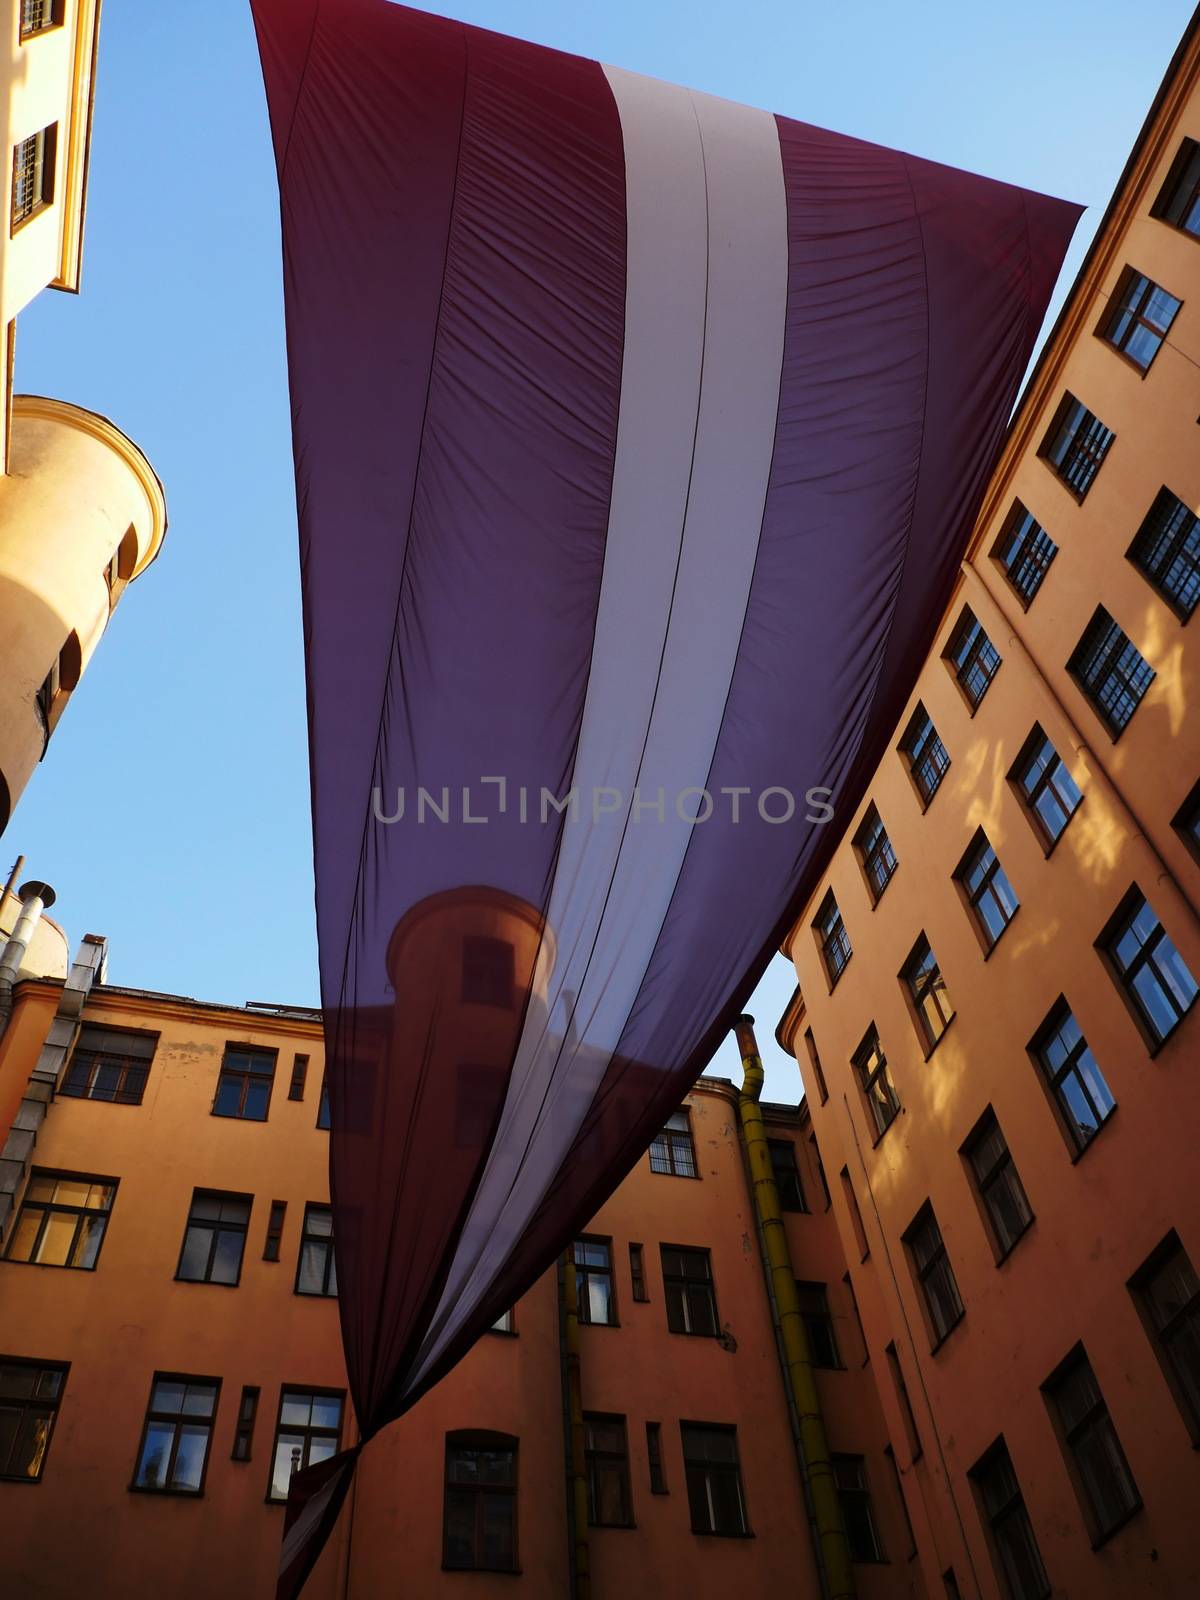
[
  {"x": 1076, "y": 445},
  {"x": 1111, "y": 672}
]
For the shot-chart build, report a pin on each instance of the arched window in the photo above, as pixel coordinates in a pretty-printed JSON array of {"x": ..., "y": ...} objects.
[{"x": 479, "y": 1521}]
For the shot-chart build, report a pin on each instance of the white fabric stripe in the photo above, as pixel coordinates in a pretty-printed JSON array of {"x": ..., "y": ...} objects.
[{"x": 705, "y": 303}]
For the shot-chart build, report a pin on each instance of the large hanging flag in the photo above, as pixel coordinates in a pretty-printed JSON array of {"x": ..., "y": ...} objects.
[{"x": 638, "y": 435}]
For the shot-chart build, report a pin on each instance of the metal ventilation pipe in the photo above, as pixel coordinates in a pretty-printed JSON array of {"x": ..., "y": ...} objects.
[{"x": 36, "y": 897}]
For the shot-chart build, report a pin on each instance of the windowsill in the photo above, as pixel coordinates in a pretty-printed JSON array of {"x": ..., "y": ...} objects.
[
  {"x": 932, "y": 1047},
  {"x": 1111, "y": 1533},
  {"x": 207, "y": 1283},
  {"x": 716, "y": 1533},
  {"x": 687, "y": 1333},
  {"x": 936, "y": 1348},
  {"x": 617, "y": 1526},
  {"x": 167, "y": 1494},
  {"x": 6, "y": 1477},
  {"x": 503, "y": 1333},
  {"x": 306, "y": 1294},
  {"x": 690, "y": 1177},
  {"x": 47, "y": 1266},
  {"x": 507, "y": 1572}
]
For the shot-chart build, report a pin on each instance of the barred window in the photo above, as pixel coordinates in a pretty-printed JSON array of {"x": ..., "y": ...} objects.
[
  {"x": 928, "y": 759},
  {"x": 832, "y": 938},
  {"x": 1166, "y": 552},
  {"x": 1149, "y": 968},
  {"x": 38, "y": 16},
  {"x": 875, "y": 853},
  {"x": 672, "y": 1151},
  {"x": 109, "y": 1064},
  {"x": 316, "y": 1270},
  {"x": 30, "y": 1393},
  {"x": 1107, "y": 1490},
  {"x": 1013, "y": 1542},
  {"x": 998, "y": 1182},
  {"x": 883, "y": 1103},
  {"x": 928, "y": 995},
  {"x": 1082, "y": 1097},
  {"x": 933, "y": 1273},
  {"x": 972, "y": 657},
  {"x": 1178, "y": 201},
  {"x": 990, "y": 896},
  {"x": 1140, "y": 318},
  {"x": 1050, "y": 793},
  {"x": 479, "y": 1512},
  {"x": 1025, "y": 551},
  {"x": 62, "y": 1220},
  {"x": 1076, "y": 444},
  {"x": 1111, "y": 671},
  {"x": 1186, "y": 820},
  {"x": 33, "y": 174}
]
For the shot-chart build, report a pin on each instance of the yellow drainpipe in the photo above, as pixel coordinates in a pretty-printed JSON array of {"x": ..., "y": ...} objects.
[
  {"x": 837, "y": 1574},
  {"x": 577, "y": 1464}
]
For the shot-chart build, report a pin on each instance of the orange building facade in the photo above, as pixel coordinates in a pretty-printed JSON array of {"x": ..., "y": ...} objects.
[{"x": 995, "y": 1016}]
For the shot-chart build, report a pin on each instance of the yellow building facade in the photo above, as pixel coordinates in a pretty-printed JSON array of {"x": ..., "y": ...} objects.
[{"x": 81, "y": 510}]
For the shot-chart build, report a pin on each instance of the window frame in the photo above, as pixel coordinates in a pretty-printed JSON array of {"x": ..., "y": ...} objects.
[
  {"x": 326, "y": 1241},
  {"x": 57, "y": 12},
  {"x": 97, "y": 1060},
  {"x": 833, "y": 941},
  {"x": 920, "y": 745},
  {"x": 44, "y": 175},
  {"x": 584, "y": 1270},
  {"x": 970, "y": 652},
  {"x": 1186, "y": 821},
  {"x": 247, "y": 1075},
  {"x": 1183, "y": 179},
  {"x": 1121, "y": 922},
  {"x": 678, "y": 1287},
  {"x": 795, "y": 1202},
  {"x": 814, "y": 1058},
  {"x": 310, "y": 1430},
  {"x": 1072, "y": 1434},
  {"x": 812, "y": 1298},
  {"x": 918, "y": 993},
  {"x": 1184, "y": 1388},
  {"x": 48, "y": 1207},
  {"x": 936, "y": 1265},
  {"x": 1107, "y": 644},
  {"x": 1011, "y": 1509},
  {"x": 1076, "y": 438},
  {"x": 33, "y": 1402},
  {"x": 477, "y": 1439},
  {"x": 1030, "y": 754},
  {"x": 860, "y": 1491},
  {"x": 872, "y": 846},
  {"x": 1052, "y": 1077},
  {"x": 674, "y": 1139},
  {"x": 1001, "y": 1171},
  {"x": 243, "y": 1427},
  {"x": 1024, "y": 545},
  {"x": 991, "y": 888},
  {"x": 1117, "y": 308},
  {"x": 639, "y": 1289},
  {"x": 729, "y": 1470},
  {"x": 1155, "y": 538},
  {"x": 871, "y": 1069},
  {"x": 655, "y": 1466},
  {"x": 176, "y": 1419},
  {"x": 215, "y": 1226},
  {"x": 593, "y": 1458}
]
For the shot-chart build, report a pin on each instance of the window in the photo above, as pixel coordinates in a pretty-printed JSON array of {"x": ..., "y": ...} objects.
[
  {"x": 1186, "y": 820},
  {"x": 672, "y": 1150},
  {"x": 928, "y": 760},
  {"x": 1167, "y": 1290},
  {"x": 37, "y": 16},
  {"x": 858, "y": 1322},
  {"x": 1099, "y": 1469},
  {"x": 244, "y": 1087},
  {"x": 108, "y": 1064},
  {"x": 1076, "y": 445},
  {"x": 243, "y": 1435},
  {"x": 62, "y": 1220},
  {"x": 998, "y": 1183},
  {"x": 1140, "y": 318},
  {"x": 950, "y": 1584},
  {"x": 856, "y": 1221},
  {"x": 309, "y": 1430},
  {"x": 815, "y": 1060},
  {"x": 1048, "y": 790},
  {"x": 832, "y": 938},
  {"x": 654, "y": 1459},
  {"x": 274, "y": 1230},
  {"x": 299, "y": 1073},
  {"x": 1025, "y": 551},
  {"x": 850, "y": 1476},
  {"x": 907, "y": 1415},
  {"x": 1013, "y": 1542},
  {"x": 488, "y": 972},
  {"x": 479, "y": 1518},
  {"x": 818, "y": 1324},
  {"x": 505, "y": 1322},
  {"x": 1166, "y": 552},
  {"x": 870, "y": 1063},
  {"x": 33, "y": 175},
  {"x": 896, "y": 1479},
  {"x": 1150, "y": 969},
  {"x": 594, "y": 1282},
  {"x": 987, "y": 890},
  {"x": 30, "y": 1392},
  {"x": 1111, "y": 671},
  {"x": 1083, "y": 1099},
  {"x": 689, "y": 1292},
  {"x": 215, "y": 1238},
  {"x": 972, "y": 657},
  {"x": 934, "y": 1274},
  {"x": 323, "y": 1105},
  {"x": 820, "y": 1166},
  {"x": 1178, "y": 202},
  {"x": 714, "y": 1478},
  {"x": 606, "y": 1461},
  {"x": 316, "y": 1271},
  {"x": 922, "y": 978},
  {"x": 177, "y": 1434},
  {"x": 787, "y": 1175},
  {"x": 875, "y": 853},
  {"x": 637, "y": 1273}
]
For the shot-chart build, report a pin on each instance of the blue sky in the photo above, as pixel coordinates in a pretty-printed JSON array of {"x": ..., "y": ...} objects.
[{"x": 171, "y": 813}]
